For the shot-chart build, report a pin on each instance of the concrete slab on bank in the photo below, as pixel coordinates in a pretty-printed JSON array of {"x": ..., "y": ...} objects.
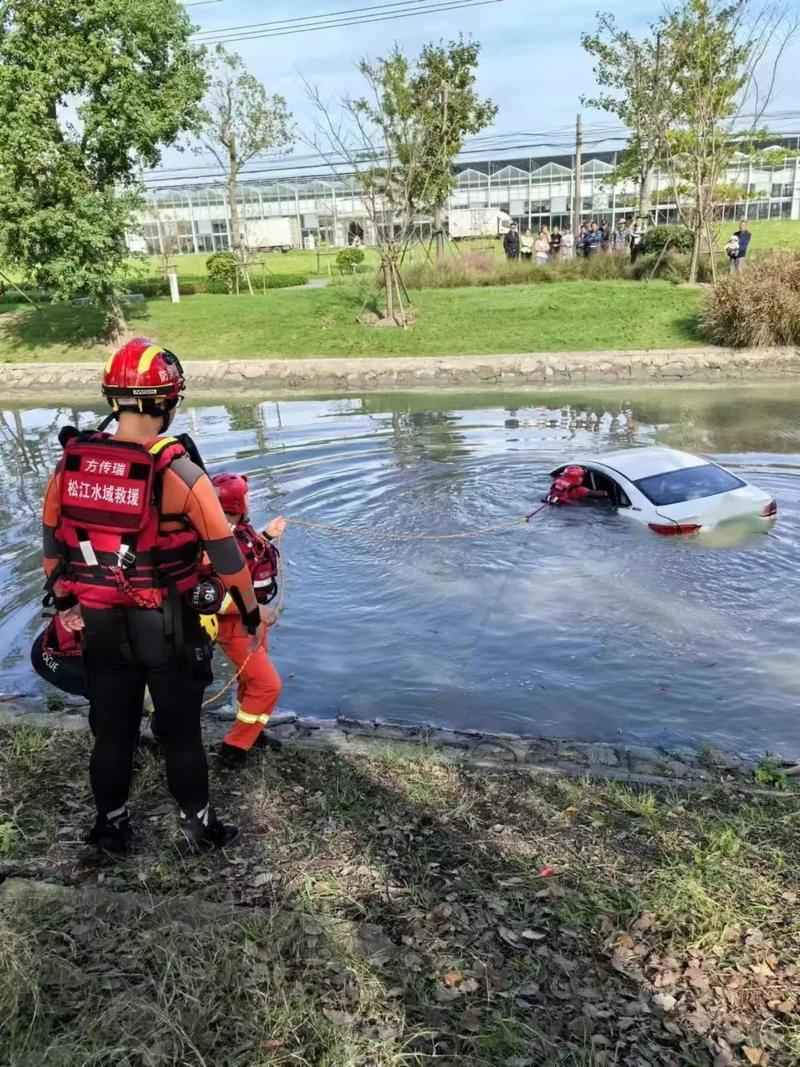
[{"x": 700, "y": 365}]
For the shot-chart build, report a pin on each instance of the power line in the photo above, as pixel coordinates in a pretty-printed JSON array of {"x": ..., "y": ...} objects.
[
  {"x": 274, "y": 23},
  {"x": 455, "y": 5}
]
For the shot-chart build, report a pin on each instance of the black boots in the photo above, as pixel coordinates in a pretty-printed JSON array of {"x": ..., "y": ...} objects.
[
  {"x": 231, "y": 757},
  {"x": 204, "y": 831},
  {"x": 112, "y": 832}
]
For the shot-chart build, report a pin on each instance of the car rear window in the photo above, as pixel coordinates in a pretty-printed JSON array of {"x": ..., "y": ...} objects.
[{"x": 691, "y": 483}]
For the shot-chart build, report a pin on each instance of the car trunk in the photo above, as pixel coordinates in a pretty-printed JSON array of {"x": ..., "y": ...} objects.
[{"x": 747, "y": 502}]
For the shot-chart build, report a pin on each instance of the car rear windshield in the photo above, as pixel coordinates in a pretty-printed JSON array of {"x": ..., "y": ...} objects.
[{"x": 691, "y": 483}]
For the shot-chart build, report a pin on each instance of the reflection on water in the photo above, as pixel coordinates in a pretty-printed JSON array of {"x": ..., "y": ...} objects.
[{"x": 576, "y": 625}]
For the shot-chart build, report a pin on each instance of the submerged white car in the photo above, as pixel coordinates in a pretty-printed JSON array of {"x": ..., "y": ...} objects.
[{"x": 674, "y": 492}]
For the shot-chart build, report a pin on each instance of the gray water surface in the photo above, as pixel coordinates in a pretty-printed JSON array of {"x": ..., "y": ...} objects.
[{"x": 577, "y": 625}]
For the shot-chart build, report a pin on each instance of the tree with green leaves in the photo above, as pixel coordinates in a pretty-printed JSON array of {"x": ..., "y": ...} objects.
[
  {"x": 448, "y": 108},
  {"x": 633, "y": 78},
  {"x": 717, "y": 62},
  {"x": 721, "y": 63},
  {"x": 430, "y": 104},
  {"x": 240, "y": 121},
  {"x": 90, "y": 93}
]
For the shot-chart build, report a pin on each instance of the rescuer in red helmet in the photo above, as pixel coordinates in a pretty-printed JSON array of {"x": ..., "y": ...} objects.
[
  {"x": 259, "y": 684},
  {"x": 568, "y": 488},
  {"x": 126, "y": 520}
]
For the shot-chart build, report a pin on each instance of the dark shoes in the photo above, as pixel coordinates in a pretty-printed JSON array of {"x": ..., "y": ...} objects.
[
  {"x": 204, "y": 831},
  {"x": 112, "y": 833},
  {"x": 231, "y": 757}
]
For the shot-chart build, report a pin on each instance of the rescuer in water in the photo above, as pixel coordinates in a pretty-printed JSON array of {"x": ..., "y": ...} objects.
[
  {"x": 568, "y": 488},
  {"x": 126, "y": 520},
  {"x": 259, "y": 684}
]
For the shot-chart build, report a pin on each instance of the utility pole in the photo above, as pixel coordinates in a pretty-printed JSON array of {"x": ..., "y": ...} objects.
[{"x": 577, "y": 200}]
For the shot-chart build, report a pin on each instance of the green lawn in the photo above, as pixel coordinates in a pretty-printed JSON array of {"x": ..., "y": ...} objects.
[{"x": 581, "y": 316}]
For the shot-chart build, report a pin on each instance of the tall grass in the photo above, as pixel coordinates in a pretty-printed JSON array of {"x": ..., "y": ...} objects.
[{"x": 759, "y": 306}]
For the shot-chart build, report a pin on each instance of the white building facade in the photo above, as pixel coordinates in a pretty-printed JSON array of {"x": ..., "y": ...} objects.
[{"x": 534, "y": 191}]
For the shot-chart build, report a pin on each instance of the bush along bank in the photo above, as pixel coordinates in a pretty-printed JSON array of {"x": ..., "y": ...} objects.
[
  {"x": 396, "y": 911},
  {"x": 757, "y": 306}
]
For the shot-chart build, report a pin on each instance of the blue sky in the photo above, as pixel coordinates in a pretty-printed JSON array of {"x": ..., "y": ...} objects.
[{"x": 532, "y": 64}]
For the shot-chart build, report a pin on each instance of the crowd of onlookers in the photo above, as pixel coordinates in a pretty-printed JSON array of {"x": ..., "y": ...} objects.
[
  {"x": 594, "y": 238},
  {"x": 591, "y": 239}
]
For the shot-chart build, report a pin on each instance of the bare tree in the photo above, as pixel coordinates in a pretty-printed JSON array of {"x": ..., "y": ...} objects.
[
  {"x": 384, "y": 147},
  {"x": 239, "y": 122}
]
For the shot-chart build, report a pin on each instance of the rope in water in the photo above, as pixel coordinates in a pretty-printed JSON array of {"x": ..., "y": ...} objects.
[
  {"x": 374, "y": 535},
  {"x": 377, "y": 535}
]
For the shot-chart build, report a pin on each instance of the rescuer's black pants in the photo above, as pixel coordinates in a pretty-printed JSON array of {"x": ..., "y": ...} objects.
[{"x": 126, "y": 649}]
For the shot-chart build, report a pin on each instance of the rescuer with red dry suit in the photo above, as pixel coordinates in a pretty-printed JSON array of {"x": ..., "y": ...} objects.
[
  {"x": 127, "y": 518},
  {"x": 568, "y": 488},
  {"x": 259, "y": 684}
]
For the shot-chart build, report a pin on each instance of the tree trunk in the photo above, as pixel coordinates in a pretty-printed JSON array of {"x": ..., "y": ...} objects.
[
  {"x": 233, "y": 208},
  {"x": 645, "y": 193},
  {"x": 438, "y": 230},
  {"x": 388, "y": 283},
  {"x": 695, "y": 260}
]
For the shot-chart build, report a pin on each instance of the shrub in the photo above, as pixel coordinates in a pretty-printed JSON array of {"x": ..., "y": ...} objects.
[
  {"x": 680, "y": 240},
  {"x": 222, "y": 269},
  {"x": 151, "y": 287},
  {"x": 281, "y": 281},
  {"x": 759, "y": 306},
  {"x": 348, "y": 259}
]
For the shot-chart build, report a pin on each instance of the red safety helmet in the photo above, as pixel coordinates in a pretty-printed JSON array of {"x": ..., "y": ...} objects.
[
  {"x": 144, "y": 376},
  {"x": 573, "y": 475},
  {"x": 232, "y": 492}
]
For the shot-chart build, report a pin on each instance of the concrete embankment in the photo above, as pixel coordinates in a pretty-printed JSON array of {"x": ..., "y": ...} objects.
[
  {"x": 624, "y": 762},
  {"x": 424, "y": 372}
]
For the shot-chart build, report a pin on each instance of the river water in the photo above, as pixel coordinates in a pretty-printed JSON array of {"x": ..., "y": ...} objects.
[{"x": 577, "y": 625}]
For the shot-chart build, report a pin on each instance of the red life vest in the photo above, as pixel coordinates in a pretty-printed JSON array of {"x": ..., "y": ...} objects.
[
  {"x": 113, "y": 550},
  {"x": 564, "y": 491},
  {"x": 261, "y": 557}
]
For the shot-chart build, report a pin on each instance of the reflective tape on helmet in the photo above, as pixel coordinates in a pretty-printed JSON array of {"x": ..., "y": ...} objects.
[{"x": 147, "y": 357}]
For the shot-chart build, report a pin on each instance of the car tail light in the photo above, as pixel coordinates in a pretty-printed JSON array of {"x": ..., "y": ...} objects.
[
  {"x": 771, "y": 510},
  {"x": 673, "y": 529}
]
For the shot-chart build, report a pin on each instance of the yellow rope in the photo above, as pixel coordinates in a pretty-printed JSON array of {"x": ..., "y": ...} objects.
[{"x": 376, "y": 535}]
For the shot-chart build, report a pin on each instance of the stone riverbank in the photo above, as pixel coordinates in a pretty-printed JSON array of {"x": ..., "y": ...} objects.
[
  {"x": 22, "y": 380},
  {"x": 638, "y": 763}
]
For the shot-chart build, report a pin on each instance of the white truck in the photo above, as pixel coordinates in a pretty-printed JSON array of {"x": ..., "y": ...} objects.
[
  {"x": 465, "y": 222},
  {"x": 270, "y": 235}
]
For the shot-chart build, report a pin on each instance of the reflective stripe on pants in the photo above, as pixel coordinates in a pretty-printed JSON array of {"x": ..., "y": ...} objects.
[{"x": 259, "y": 685}]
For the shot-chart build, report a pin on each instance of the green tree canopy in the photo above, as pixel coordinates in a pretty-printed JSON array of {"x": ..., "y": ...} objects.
[{"x": 90, "y": 92}]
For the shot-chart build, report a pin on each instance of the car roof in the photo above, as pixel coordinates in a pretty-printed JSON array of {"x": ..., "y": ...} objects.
[{"x": 636, "y": 463}]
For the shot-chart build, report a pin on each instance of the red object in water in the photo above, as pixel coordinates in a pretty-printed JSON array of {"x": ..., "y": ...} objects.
[
  {"x": 673, "y": 529},
  {"x": 546, "y": 872}
]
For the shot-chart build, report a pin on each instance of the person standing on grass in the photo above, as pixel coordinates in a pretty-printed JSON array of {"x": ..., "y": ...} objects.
[
  {"x": 568, "y": 244},
  {"x": 541, "y": 248},
  {"x": 605, "y": 236},
  {"x": 556, "y": 241},
  {"x": 593, "y": 241},
  {"x": 526, "y": 245},
  {"x": 620, "y": 237},
  {"x": 580, "y": 240},
  {"x": 511, "y": 242},
  {"x": 637, "y": 238},
  {"x": 743, "y": 237},
  {"x": 126, "y": 519}
]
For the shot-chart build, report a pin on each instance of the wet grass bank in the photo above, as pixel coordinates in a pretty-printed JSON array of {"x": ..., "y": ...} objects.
[{"x": 395, "y": 911}]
